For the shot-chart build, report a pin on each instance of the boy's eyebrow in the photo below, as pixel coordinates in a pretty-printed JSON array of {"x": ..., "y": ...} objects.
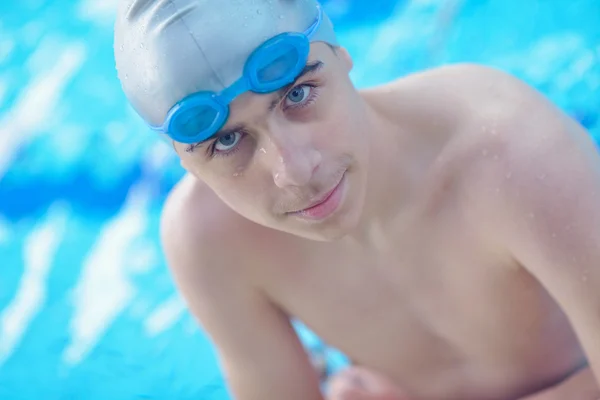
[{"x": 310, "y": 68}]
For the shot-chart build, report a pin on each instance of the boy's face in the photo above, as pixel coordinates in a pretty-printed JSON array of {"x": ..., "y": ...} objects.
[{"x": 280, "y": 153}]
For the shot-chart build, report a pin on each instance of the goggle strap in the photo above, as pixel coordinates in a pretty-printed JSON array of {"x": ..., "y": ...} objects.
[
  {"x": 313, "y": 28},
  {"x": 230, "y": 93}
]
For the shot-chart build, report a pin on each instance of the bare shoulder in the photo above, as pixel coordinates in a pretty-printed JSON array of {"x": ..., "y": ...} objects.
[
  {"x": 471, "y": 78},
  {"x": 199, "y": 232},
  {"x": 193, "y": 210},
  {"x": 512, "y": 141},
  {"x": 494, "y": 90},
  {"x": 448, "y": 100},
  {"x": 491, "y": 107},
  {"x": 510, "y": 120},
  {"x": 501, "y": 128},
  {"x": 206, "y": 244}
]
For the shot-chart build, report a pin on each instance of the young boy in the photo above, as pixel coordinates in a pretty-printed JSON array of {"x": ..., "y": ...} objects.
[{"x": 443, "y": 230}]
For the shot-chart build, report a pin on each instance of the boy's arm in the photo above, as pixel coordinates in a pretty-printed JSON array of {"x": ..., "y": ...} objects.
[
  {"x": 542, "y": 204},
  {"x": 258, "y": 349},
  {"x": 580, "y": 386}
]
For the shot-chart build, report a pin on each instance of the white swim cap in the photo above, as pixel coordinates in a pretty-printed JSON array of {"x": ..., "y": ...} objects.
[{"x": 166, "y": 50}]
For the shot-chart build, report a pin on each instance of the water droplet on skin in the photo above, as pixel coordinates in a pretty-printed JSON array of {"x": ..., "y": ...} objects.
[
  {"x": 239, "y": 171},
  {"x": 263, "y": 150},
  {"x": 126, "y": 76},
  {"x": 553, "y": 234},
  {"x": 142, "y": 45},
  {"x": 508, "y": 175},
  {"x": 122, "y": 47},
  {"x": 497, "y": 190}
]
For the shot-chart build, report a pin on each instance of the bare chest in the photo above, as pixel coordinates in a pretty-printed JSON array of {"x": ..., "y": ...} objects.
[{"x": 440, "y": 316}]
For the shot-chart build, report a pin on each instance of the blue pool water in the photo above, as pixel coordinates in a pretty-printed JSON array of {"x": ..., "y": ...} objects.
[{"x": 87, "y": 307}]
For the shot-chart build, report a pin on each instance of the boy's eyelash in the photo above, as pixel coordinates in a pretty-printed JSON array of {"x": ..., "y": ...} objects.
[
  {"x": 312, "y": 96},
  {"x": 211, "y": 148},
  {"x": 191, "y": 147}
]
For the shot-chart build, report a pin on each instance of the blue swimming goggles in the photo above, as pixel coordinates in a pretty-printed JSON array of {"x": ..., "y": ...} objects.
[{"x": 273, "y": 65}]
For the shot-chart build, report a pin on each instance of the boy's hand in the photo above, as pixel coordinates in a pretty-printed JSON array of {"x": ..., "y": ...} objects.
[{"x": 357, "y": 383}]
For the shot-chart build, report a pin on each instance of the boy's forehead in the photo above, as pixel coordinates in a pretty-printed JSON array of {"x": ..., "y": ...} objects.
[{"x": 167, "y": 50}]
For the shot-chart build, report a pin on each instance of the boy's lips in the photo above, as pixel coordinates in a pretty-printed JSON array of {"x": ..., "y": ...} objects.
[{"x": 324, "y": 204}]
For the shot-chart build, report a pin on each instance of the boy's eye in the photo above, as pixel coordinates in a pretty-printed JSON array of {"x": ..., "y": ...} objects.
[
  {"x": 227, "y": 142},
  {"x": 298, "y": 95}
]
